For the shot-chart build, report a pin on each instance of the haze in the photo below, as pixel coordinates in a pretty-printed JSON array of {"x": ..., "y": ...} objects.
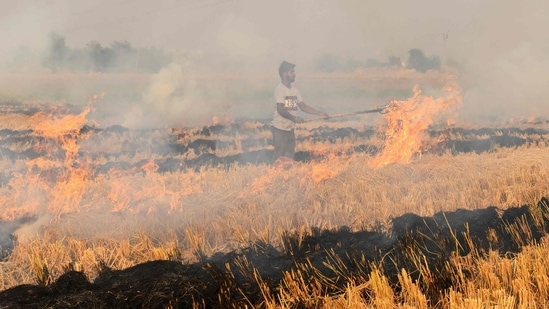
[{"x": 500, "y": 46}]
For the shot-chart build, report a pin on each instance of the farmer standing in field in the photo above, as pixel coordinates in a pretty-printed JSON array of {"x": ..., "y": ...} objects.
[{"x": 288, "y": 100}]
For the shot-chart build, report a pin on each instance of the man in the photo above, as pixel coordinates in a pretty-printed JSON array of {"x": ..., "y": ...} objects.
[{"x": 288, "y": 100}]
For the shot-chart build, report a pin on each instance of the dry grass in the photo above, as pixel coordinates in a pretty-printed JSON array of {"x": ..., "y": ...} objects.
[
  {"x": 197, "y": 214},
  {"x": 124, "y": 218}
]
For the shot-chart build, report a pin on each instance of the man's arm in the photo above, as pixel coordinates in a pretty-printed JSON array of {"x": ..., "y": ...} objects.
[
  {"x": 286, "y": 114},
  {"x": 309, "y": 110}
]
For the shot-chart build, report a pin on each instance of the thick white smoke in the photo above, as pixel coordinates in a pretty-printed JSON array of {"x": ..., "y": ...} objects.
[
  {"x": 498, "y": 47},
  {"x": 171, "y": 96}
]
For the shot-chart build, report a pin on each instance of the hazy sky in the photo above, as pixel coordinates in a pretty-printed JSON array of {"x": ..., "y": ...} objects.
[
  {"x": 286, "y": 28},
  {"x": 236, "y": 27},
  {"x": 260, "y": 28},
  {"x": 501, "y": 44}
]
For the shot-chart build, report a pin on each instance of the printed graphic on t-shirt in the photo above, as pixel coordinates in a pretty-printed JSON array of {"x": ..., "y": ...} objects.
[{"x": 290, "y": 102}]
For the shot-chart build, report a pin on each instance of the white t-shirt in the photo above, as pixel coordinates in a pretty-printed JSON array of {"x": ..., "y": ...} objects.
[{"x": 290, "y": 97}]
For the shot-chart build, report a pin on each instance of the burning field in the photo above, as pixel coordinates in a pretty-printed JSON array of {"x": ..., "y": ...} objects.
[{"x": 412, "y": 210}]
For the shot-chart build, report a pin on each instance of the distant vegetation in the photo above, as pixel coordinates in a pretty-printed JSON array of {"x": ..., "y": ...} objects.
[
  {"x": 331, "y": 63},
  {"x": 420, "y": 63},
  {"x": 121, "y": 56},
  {"x": 118, "y": 56}
]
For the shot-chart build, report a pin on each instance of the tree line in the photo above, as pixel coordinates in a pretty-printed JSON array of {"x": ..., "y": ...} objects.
[
  {"x": 416, "y": 60},
  {"x": 121, "y": 56},
  {"x": 118, "y": 56}
]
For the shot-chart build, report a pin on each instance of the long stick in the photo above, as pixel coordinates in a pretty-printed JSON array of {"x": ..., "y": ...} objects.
[{"x": 380, "y": 110}]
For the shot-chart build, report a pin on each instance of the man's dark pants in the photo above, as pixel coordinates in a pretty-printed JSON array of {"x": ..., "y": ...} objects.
[{"x": 284, "y": 143}]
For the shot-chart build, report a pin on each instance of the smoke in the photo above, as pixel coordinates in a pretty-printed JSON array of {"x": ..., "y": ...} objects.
[
  {"x": 32, "y": 228},
  {"x": 236, "y": 37},
  {"x": 177, "y": 97},
  {"x": 496, "y": 47},
  {"x": 168, "y": 97},
  {"x": 505, "y": 59},
  {"x": 23, "y": 28}
]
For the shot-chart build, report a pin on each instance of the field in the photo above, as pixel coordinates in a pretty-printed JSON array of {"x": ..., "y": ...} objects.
[{"x": 411, "y": 208}]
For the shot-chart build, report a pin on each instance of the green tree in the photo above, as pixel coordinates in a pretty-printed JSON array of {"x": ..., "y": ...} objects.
[
  {"x": 152, "y": 59},
  {"x": 125, "y": 56},
  {"x": 101, "y": 58},
  {"x": 419, "y": 62},
  {"x": 55, "y": 52}
]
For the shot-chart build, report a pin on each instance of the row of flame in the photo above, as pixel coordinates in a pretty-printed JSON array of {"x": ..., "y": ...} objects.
[{"x": 406, "y": 122}]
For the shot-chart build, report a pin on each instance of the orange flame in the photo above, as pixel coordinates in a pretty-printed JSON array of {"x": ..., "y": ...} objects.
[
  {"x": 262, "y": 182},
  {"x": 55, "y": 184},
  {"x": 328, "y": 168},
  {"x": 407, "y": 122},
  {"x": 68, "y": 187}
]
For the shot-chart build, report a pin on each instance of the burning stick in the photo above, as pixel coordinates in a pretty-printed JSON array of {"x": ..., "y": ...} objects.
[{"x": 381, "y": 110}]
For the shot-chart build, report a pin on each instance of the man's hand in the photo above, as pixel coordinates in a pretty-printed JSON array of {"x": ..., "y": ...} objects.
[{"x": 298, "y": 119}]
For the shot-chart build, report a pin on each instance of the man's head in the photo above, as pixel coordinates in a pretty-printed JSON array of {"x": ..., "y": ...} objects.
[{"x": 286, "y": 70}]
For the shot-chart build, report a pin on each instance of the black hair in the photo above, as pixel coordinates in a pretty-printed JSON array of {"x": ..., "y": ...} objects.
[{"x": 285, "y": 66}]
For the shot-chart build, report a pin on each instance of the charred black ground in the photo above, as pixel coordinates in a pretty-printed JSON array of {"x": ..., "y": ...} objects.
[
  {"x": 330, "y": 257},
  {"x": 180, "y": 149}
]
